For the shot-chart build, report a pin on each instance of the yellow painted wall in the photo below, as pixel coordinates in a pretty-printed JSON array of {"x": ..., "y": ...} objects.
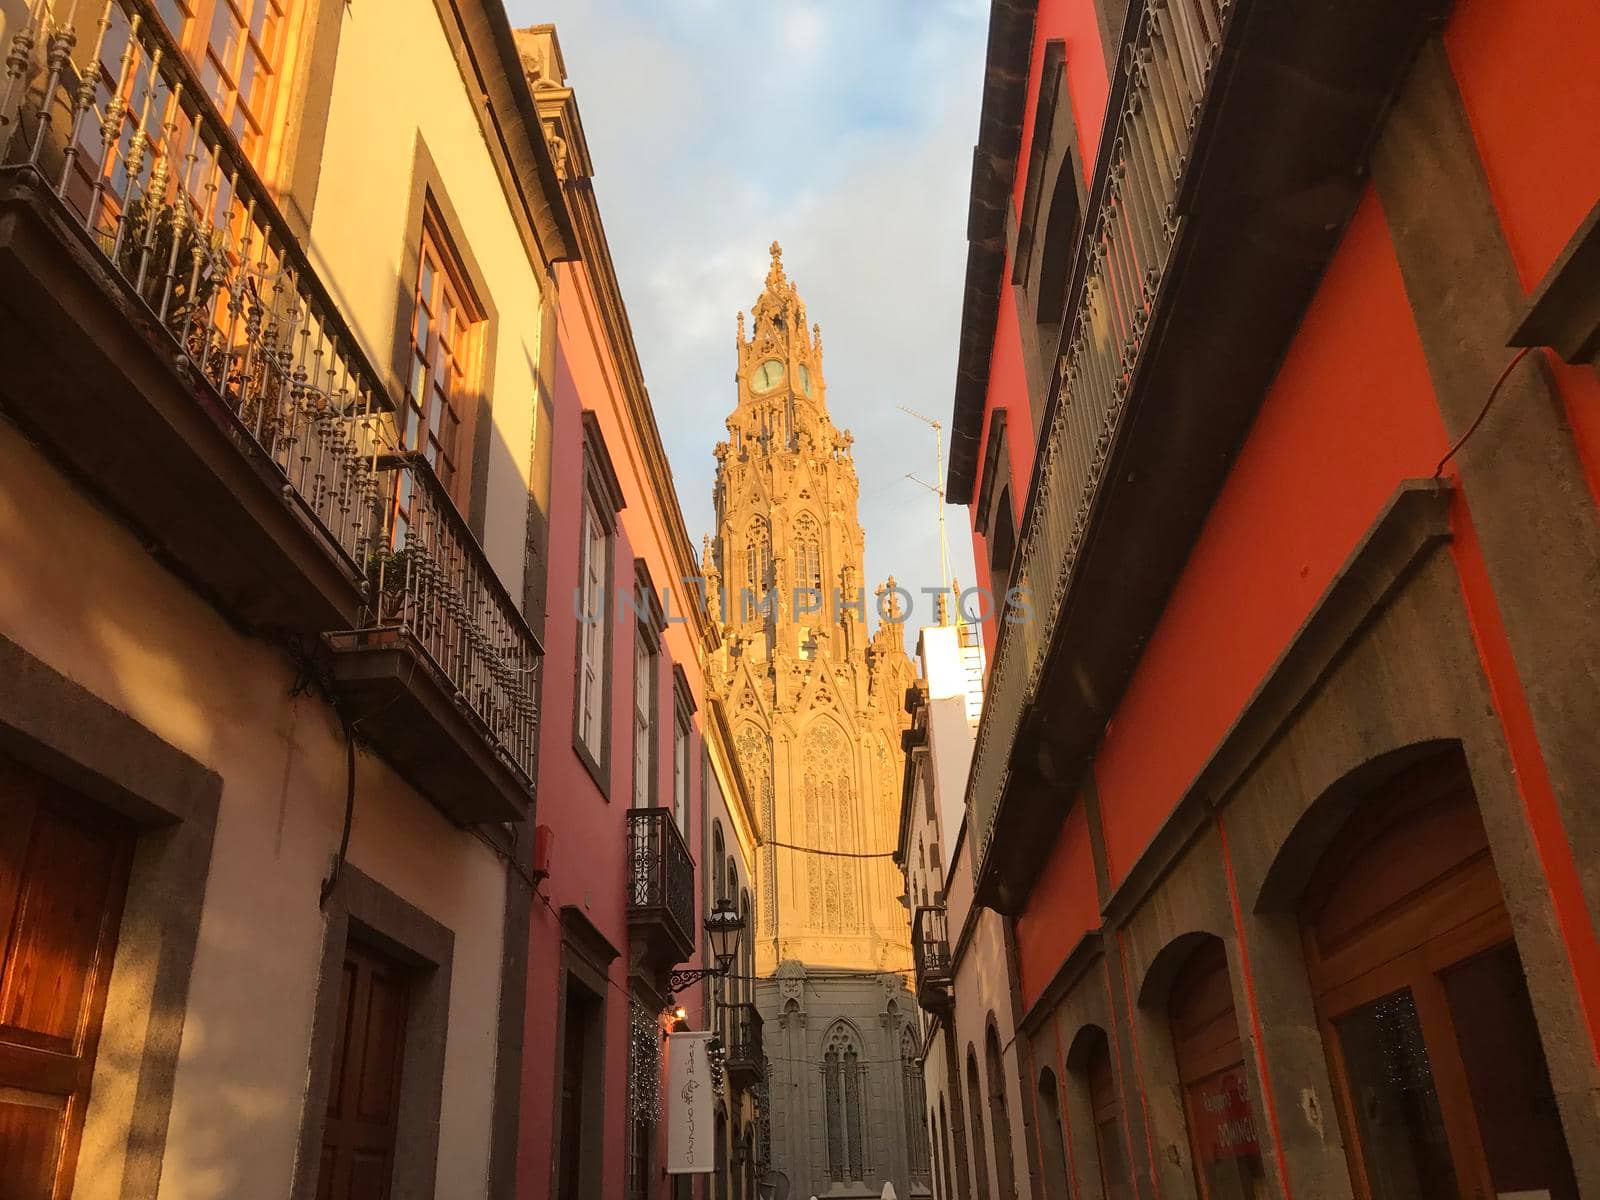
[
  {"x": 79, "y": 592},
  {"x": 397, "y": 76}
]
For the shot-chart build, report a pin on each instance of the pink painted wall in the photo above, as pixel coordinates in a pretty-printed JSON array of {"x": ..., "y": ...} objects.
[{"x": 590, "y": 825}]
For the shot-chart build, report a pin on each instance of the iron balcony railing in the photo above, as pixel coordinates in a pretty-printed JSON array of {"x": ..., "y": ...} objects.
[
  {"x": 128, "y": 140},
  {"x": 1133, "y": 224},
  {"x": 746, "y": 1049},
  {"x": 660, "y": 874},
  {"x": 126, "y": 137},
  {"x": 930, "y": 953},
  {"x": 430, "y": 579}
]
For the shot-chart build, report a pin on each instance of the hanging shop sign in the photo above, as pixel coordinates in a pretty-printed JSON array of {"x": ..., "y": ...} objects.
[{"x": 691, "y": 1144}]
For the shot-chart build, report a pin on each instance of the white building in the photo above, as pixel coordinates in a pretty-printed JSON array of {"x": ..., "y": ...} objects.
[{"x": 964, "y": 956}]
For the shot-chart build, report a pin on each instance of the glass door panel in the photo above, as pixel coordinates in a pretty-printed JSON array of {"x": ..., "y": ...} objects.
[{"x": 1394, "y": 1103}]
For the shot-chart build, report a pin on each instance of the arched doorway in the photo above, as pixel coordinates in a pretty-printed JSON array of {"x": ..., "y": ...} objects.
[
  {"x": 1090, "y": 1062},
  {"x": 1438, "y": 1072},
  {"x": 980, "y": 1156},
  {"x": 1223, "y": 1146},
  {"x": 1052, "y": 1142},
  {"x": 944, "y": 1151},
  {"x": 1005, "y": 1172}
]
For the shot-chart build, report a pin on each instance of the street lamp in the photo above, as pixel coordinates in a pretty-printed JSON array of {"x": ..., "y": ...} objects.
[{"x": 723, "y": 925}]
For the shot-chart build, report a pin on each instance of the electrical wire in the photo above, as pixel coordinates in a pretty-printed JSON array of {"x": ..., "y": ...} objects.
[
  {"x": 1484, "y": 411},
  {"x": 828, "y": 853}
]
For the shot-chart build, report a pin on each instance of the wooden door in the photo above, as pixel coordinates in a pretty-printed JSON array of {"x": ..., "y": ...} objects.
[
  {"x": 1105, "y": 1105},
  {"x": 1438, "y": 1071},
  {"x": 1216, "y": 1091},
  {"x": 63, "y": 875},
  {"x": 574, "y": 1076},
  {"x": 358, "y": 1133}
]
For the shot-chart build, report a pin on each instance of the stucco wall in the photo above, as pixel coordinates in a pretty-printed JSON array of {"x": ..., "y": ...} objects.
[
  {"x": 360, "y": 234},
  {"x": 588, "y": 815},
  {"x": 982, "y": 990},
  {"x": 80, "y": 593}
]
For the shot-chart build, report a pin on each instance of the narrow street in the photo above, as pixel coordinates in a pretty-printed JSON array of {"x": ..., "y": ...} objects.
[{"x": 926, "y": 600}]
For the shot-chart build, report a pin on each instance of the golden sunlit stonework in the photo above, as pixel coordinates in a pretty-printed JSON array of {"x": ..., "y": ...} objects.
[{"x": 816, "y": 703}]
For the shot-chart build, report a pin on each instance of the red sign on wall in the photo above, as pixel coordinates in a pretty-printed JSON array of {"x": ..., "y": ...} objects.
[{"x": 1224, "y": 1126}]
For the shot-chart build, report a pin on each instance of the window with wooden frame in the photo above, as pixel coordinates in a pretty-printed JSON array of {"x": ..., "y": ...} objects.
[
  {"x": 594, "y": 568},
  {"x": 680, "y": 773},
  {"x": 600, "y": 500},
  {"x": 444, "y": 365},
  {"x": 683, "y": 709},
  {"x": 645, "y": 656},
  {"x": 242, "y": 49}
]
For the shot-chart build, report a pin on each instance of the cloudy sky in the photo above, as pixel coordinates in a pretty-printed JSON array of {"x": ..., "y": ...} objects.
[{"x": 842, "y": 128}]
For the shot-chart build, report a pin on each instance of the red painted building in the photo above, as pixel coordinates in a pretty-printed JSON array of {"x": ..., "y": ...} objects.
[
  {"x": 1277, "y": 401},
  {"x": 635, "y": 772}
]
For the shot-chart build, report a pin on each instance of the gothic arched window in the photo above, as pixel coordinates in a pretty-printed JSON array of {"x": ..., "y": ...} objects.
[
  {"x": 915, "y": 1105},
  {"x": 831, "y": 883},
  {"x": 841, "y": 1091},
  {"x": 807, "y": 552},
  {"x": 757, "y": 558},
  {"x": 718, "y": 888},
  {"x": 747, "y": 949}
]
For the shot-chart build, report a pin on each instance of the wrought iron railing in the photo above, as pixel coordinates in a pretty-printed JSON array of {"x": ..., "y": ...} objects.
[
  {"x": 430, "y": 578},
  {"x": 930, "y": 947},
  {"x": 746, "y": 1049},
  {"x": 126, "y": 137},
  {"x": 660, "y": 871},
  {"x": 763, "y": 1098},
  {"x": 124, "y": 134},
  {"x": 1133, "y": 224}
]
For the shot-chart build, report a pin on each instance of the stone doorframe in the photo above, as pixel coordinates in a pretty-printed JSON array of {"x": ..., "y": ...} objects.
[{"x": 63, "y": 731}]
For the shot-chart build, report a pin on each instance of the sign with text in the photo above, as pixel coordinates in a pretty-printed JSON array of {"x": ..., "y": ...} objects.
[
  {"x": 691, "y": 1144},
  {"x": 1224, "y": 1127}
]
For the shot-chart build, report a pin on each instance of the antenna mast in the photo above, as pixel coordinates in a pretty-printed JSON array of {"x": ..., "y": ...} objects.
[{"x": 938, "y": 444}]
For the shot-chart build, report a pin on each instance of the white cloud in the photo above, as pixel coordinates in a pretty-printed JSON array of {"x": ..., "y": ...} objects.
[
  {"x": 705, "y": 151},
  {"x": 801, "y": 29}
]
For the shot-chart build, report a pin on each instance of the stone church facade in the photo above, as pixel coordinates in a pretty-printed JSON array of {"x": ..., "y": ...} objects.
[{"x": 817, "y": 707}]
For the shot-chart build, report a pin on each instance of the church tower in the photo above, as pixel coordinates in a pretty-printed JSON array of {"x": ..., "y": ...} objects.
[{"x": 817, "y": 706}]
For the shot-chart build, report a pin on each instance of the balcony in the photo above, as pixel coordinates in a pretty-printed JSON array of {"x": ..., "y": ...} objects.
[
  {"x": 166, "y": 338},
  {"x": 444, "y": 668},
  {"x": 660, "y": 889},
  {"x": 1233, "y": 157},
  {"x": 930, "y": 955},
  {"x": 746, "y": 1062},
  {"x": 166, "y": 341}
]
